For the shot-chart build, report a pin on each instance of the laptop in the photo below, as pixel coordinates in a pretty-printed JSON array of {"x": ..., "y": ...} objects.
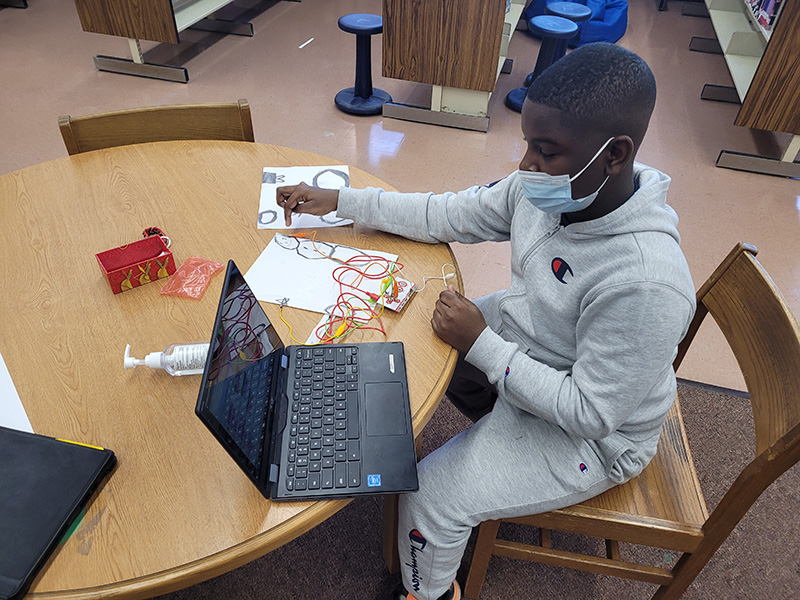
[
  {"x": 305, "y": 422},
  {"x": 46, "y": 484}
]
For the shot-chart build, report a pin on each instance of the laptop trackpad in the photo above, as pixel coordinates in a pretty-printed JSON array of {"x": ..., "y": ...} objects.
[{"x": 386, "y": 408}]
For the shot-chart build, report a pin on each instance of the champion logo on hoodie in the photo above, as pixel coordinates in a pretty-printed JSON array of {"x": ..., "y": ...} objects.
[{"x": 561, "y": 268}]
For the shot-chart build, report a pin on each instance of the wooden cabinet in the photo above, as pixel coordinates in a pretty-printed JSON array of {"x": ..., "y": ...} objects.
[{"x": 457, "y": 46}]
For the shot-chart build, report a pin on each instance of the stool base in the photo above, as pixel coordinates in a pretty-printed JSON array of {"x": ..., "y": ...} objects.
[
  {"x": 348, "y": 102},
  {"x": 528, "y": 79},
  {"x": 516, "y": 98}
]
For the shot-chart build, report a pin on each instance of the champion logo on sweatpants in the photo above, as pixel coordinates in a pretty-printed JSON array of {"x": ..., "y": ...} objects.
[
  {"x": 583, "y": 468},
  {"x": 508, "y": 370},
  {"x": 418, "y": 543}
]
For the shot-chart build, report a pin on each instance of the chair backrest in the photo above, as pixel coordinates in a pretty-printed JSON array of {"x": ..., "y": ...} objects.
[
  {"x": 765, "y": 339},
  {"x": 210, "y": 121}
]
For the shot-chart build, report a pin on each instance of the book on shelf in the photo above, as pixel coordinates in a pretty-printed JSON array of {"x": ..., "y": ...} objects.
[
  {"x": 755, "y": 6},
  {"x": 768, "y": 12}
]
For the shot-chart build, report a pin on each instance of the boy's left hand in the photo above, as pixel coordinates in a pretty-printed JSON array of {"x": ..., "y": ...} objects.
[{"x": 457, "y": 320}]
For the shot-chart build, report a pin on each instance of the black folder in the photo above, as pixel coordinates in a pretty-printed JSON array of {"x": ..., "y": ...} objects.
[{"x": 44, "y": 485}]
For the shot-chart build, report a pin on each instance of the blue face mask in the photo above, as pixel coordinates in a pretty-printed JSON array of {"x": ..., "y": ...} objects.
[{"x": 553, "y": 193}]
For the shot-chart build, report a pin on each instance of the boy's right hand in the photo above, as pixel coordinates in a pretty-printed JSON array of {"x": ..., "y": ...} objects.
[{"x": 302, "y": 198}]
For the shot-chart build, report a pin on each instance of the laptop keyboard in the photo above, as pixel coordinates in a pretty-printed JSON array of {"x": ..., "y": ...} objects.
[{"x": 324, "y": 431}]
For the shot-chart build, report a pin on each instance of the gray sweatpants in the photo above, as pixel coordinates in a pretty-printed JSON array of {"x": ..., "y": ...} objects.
[{"x": 510, "y": 463}]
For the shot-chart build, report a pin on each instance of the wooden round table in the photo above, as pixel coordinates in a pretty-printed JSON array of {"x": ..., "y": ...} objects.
[{"x": 177, "y": 510}]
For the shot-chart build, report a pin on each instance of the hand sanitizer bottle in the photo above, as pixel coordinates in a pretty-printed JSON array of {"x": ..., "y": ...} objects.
[{"x": 176, "y": 359}]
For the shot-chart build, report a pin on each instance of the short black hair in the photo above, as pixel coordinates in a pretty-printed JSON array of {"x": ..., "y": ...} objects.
[{"x": 601, "y": 86}]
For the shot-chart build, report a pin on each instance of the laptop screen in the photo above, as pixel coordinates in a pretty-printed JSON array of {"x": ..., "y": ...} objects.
[{"x": 240, "y": 371}]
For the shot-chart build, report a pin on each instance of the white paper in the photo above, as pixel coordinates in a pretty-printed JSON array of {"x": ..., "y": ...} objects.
[
  {"x": 12, "y": 413},
  {"x": 299, "y": 273},
  {"x": 270, "y": 215}
]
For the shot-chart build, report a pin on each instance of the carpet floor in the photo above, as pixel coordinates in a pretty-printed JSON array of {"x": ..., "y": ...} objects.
[{"x": 342, "y": 557}]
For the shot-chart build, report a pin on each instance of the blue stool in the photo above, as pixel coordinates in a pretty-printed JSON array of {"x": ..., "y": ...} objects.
[
  {"x": 362, "y": 99},
  {"x": 575, "y": 12},
  {"x": 552, "y": 30}
]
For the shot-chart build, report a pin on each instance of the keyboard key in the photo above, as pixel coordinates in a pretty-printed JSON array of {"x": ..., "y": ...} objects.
[
  {"x": 352, "y": 415},
  {"x": 340, "y": 475},
  {"x": 327, "y": 478},
  {"x": 353, "y": 474},
  {"x": 354, "y": 450}
]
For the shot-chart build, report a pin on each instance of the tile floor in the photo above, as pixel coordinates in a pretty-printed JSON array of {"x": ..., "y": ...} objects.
[{"x": 47, "y": 71}]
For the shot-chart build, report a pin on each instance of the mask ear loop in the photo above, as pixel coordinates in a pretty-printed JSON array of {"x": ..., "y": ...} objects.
[{"x": 594, "y": 158}]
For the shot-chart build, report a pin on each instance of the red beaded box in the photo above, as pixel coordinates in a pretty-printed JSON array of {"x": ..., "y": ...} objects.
[{"x": 136, "y": 264}]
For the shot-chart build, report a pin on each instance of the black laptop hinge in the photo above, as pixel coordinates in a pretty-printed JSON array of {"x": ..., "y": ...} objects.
[{"x": 273, "y": 474}]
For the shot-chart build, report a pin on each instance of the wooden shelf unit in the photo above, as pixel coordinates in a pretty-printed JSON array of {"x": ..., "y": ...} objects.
[
  {"x": 153, "y": 20},
  {"x": 459, "y": 47},
  {"x": 763, "y": 66}
]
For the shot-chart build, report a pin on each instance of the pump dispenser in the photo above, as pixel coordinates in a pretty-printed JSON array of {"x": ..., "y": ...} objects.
[{"x": 176, "y": 359}]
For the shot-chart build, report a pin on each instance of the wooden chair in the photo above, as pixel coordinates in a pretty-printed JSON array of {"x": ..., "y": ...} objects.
[
  {"x": 212, "y": 121},
  {"x": 664, "y": 506}
]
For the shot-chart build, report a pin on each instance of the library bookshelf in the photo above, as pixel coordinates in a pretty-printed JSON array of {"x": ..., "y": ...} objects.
[
  {"x": 459, "y": 47},
  {"x": 154, "y": 20},
  {"x": 763, "y": 65}
]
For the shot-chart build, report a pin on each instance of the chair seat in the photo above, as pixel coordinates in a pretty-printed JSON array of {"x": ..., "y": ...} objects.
[
  {"x": 665, "y": 498},
  {"x": 570, "y": 10},
  {"x": 361, "y": 24},
  {"x": 550, "y": 26}
]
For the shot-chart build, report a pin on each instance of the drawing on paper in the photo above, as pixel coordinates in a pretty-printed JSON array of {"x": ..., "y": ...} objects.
[
  {"x": 328, "y": 177},
  {"x": 287, "y": 272}
]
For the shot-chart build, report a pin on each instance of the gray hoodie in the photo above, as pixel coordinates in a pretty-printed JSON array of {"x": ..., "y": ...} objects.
[{"x": 586, "y": 334}]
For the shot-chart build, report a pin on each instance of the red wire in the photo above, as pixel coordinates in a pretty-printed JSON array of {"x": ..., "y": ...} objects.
[{"x": 349, "y": 313}]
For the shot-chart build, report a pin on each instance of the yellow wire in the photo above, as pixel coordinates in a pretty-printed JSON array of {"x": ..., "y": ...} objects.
[{"x": 296, "y": 341}]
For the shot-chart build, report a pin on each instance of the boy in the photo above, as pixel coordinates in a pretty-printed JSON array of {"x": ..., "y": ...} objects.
[{"x": 568, "y": 373}]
